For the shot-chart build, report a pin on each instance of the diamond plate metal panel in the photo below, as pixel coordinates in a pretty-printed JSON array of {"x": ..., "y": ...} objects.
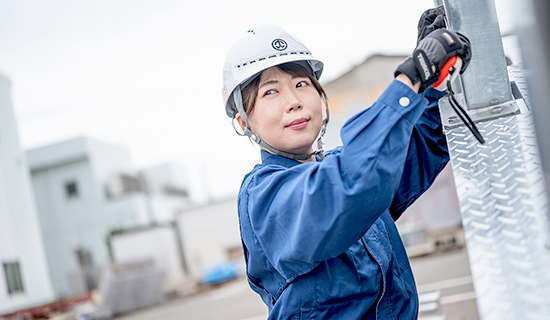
[{"x": 505, "y": 217}]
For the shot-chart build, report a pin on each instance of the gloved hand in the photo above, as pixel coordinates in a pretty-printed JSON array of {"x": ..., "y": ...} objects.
[
  {"x": 430, "y": 55},
  {"x": 430, "y": 20}
]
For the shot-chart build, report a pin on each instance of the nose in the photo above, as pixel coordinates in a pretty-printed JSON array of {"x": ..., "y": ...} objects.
[{"x": 293, "y": 102}]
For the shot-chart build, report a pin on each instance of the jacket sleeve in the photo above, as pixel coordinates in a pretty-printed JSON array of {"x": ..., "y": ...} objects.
[
  {"x": 311, "y": 212},
  {"x": 426, "y": 157}
]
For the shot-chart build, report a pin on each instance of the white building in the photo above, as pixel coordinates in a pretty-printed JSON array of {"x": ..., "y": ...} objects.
[
  {"x": 168, "y": 191},
  {"x": 210, "y": 235},
  {"x": 86, "y": 189},
  {"x": 24, "y": 280},
  {"x": 161, "y": 244},
  {"x": 199, "y": 238},
  {"x": 356, "y": 90},
  {"x": 75, "y": 204}
]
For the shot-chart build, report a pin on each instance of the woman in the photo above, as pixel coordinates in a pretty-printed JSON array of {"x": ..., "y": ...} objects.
[{"x": 317, "y": 227}]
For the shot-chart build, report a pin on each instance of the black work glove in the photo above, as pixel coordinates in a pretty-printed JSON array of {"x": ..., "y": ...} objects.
[
  {"x": 430, "y": 20},
  {"x": 430, "y": 55}
]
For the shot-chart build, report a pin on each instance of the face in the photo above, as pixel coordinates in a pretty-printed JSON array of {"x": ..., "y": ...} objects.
[{"x": 288, "y": 112}]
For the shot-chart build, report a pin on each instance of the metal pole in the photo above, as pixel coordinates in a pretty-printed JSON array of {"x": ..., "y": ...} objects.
[
  {"x": 499, "y": 184},
  {"x": 477, "y": 19}
]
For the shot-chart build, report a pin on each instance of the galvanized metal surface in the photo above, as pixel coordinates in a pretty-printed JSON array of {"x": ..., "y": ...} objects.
[
  {"x": 505, "y": 216},
  {"x": 485, "y": 81},
  {"x": 451, "y": 120}
]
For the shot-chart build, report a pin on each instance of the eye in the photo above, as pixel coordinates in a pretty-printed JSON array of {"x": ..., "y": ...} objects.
[
  {"x": 302, "y": 83},
  {"x": 269, "y": 92}
]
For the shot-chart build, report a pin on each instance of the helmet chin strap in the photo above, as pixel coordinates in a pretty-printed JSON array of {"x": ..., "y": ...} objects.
[{"x": 237, "y": 97}]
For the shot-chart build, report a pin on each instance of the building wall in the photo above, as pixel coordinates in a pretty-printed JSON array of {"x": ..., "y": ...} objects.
[
  {"x": 210, "y": 235},
  {"x": 168, "y": 191},
  {"x": 158, "y": 243},
  {"x": 357, "y": 90},
  {"x": 20, "y": 234},
  {"x": 84, "y": 218}
]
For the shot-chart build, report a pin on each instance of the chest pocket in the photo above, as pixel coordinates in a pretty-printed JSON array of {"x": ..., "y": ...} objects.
[{"x": 350, "y": 276}]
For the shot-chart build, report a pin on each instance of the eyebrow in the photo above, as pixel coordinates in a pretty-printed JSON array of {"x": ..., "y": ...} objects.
[
  {"x": 277, "y": 81},
  {"x": 268, "y": 82}
]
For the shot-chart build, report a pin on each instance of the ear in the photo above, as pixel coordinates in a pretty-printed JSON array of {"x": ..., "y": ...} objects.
[{"x": 240, "y": 121}]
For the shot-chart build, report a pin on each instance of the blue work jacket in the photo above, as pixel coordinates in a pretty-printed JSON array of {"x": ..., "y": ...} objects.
[{"x": 319, "y": 238}]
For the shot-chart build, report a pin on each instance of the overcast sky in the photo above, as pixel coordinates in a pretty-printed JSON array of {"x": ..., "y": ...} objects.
[{"x": 146, "y": 74}]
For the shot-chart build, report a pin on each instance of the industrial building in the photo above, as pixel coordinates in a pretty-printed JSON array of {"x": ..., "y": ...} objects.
[
  {"x": 75, "y": 209},
  {"x": 24, "y": 279},
  {"x": 85, "y": 191}
]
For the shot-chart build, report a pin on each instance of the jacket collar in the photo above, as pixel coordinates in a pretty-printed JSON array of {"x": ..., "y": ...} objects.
[{"x": 269, "y": 158}]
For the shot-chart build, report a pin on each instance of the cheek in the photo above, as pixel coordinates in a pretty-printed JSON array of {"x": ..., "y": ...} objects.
[
  {"x": 268, "y": 112},
  {"x": 263, "y": 119},
  {"x": 318, "y": 107}
]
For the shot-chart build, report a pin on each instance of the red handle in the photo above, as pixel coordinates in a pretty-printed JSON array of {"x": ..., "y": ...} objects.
[{"x": 445, "y": 71}]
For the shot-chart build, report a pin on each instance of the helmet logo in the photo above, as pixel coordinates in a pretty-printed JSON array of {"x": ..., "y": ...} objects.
[{"x": 279, "y": 44}]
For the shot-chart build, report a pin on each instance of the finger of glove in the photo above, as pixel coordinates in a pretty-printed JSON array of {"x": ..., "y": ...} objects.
[
  {"x": 466, "y": 52},
  {"x": 435, "y": 51},
  {"x": 430, "y": 20},
  {"x": 466, "y": 55},
  {"x": 459, "y": 46},
  {"x": 429, "y": 16},
  {"x": 426, "y": 31},
  {"x": 450, "y": 41},
  {"x": 439, "y": 22}
]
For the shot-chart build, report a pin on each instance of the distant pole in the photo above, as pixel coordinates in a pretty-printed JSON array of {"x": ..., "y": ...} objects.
[
  {"x": 148, "y": 198},
  {"x": 179, "y": 239},
  {"x": 533, "y": 29}
]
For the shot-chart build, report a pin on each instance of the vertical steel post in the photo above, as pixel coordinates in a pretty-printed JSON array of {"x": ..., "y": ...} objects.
[
  {"x": 500, "y": 187},
  {"x": 477, "y": 19}
]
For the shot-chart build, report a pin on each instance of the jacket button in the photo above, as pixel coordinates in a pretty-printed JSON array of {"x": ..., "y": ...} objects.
[{"x": 404, "y": 101}]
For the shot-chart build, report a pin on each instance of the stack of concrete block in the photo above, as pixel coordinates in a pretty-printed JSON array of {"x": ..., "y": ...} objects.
[{"x": 128, "y": 287}]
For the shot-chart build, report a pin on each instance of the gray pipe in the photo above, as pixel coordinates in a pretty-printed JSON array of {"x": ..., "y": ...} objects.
[{"x": 485, "y": 82}]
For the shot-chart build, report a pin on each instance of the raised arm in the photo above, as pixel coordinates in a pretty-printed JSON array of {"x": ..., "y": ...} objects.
[
  {"x": 426, "y": 157},
  {"x": 302, "y": 216}
]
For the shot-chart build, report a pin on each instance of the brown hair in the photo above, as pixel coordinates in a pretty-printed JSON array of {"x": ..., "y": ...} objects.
[{"x": 250, "y": 92}]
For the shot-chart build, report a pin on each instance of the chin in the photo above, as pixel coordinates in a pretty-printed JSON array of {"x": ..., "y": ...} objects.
[
  {"x": 307, "y": 150},
  {"x": 296, "y": 146}
]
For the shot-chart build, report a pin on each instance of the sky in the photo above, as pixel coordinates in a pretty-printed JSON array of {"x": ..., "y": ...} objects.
[{"x": 146, "y": 75}]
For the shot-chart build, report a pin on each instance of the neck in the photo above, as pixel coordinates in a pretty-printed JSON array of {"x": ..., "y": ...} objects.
[{"x": 310, "y": 159}]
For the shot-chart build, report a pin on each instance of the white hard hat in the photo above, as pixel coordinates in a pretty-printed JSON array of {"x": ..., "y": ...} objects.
[{"x": 258, "y": 49}]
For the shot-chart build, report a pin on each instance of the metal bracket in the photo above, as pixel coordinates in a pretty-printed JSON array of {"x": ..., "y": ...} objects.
[{"x": 451, "y": 120}]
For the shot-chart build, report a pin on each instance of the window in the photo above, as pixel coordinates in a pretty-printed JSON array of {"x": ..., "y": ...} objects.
[
  {"x": 13, "y": 278},
  {"x": 175, "y": 191},
  {"x": 122, "y": 184},
  {"x": 131, "y": 183},
  {"x": 71, "y": 189}
]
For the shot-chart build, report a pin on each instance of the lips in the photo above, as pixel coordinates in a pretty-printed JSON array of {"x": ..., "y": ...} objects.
[{"x": 298, "y": 124}]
